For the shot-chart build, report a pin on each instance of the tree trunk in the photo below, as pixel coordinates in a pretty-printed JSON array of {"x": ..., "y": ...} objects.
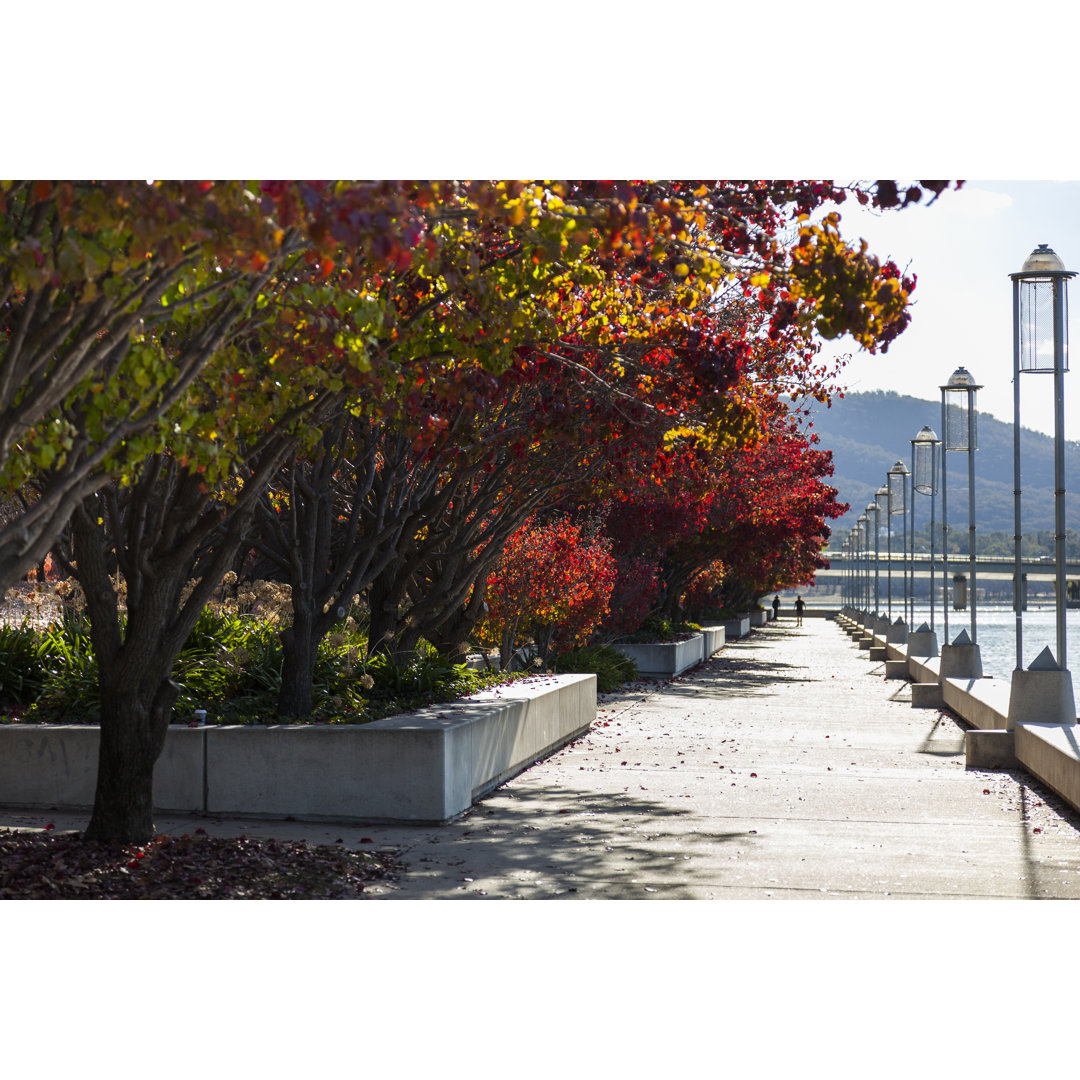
[
  {"x": 298, "y": 651},
  {"x": 133, "y": 730},
  {"x": 383, "y": 629}
]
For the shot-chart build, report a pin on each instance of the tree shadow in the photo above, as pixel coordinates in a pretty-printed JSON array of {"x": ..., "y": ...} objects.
[
  {"x": 731, "y": 676},
  {"x": 944, "y": 726},
  {"x": 613, "y": 845},
  {"x": 1037, "y": 879}
]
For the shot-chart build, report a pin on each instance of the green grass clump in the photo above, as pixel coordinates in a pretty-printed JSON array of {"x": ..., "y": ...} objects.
[
  {"x": 231, "y": 666},
  {"x": 657, "y": 628},
  {"x": 23, "y": 655},
  {"x": 610, "y": 667}
]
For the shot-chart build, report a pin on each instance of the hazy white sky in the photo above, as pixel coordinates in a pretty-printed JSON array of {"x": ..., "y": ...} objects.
[{"x": 963, "y": 249}]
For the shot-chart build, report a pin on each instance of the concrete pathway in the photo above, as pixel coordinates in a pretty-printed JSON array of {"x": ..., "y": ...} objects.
[{"x": 786, "y": 768}]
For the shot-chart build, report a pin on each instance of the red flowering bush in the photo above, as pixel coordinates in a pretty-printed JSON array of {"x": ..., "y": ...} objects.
[{"x": 552, "y": 585}]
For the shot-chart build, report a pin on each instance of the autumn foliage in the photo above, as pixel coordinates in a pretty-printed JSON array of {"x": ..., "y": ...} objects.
[
  {"x": 552, "y": 584},
  {"x": 417, "y": 392}
]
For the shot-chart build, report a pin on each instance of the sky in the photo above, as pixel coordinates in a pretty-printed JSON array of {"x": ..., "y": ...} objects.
[{"x": 963, "y": 248}]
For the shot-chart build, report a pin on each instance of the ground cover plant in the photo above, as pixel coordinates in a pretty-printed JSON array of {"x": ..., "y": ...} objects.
[
  {"x": 657, "y": 628},
  {"x": 231, "y": 667},
  {"x": 50, "y": 865},
  {"x": 611, "y": 668}
]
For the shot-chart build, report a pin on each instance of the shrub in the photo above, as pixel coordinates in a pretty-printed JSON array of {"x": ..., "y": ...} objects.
[
  {"x": 22, "y": 665},
  {"x": 70, "y": 686},
  {"x": 231, "y": 666},
  {"x": 610, "y": 667},
  {"x": 552, "y": 583}
]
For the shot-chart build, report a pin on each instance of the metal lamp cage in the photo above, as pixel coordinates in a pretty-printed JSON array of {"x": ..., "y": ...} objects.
[
  {"x": 925, "y": 464},
  {"x": 959, "y": 395},
  {"x": 881, "y": 497},
  {"x": 898, "y": 475},
  {"x": 1040, "y": 280}
]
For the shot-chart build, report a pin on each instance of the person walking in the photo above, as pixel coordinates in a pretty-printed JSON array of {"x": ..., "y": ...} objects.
[
  {"x": 776, "y": 606},
  {"x": 799, "y": 605}
]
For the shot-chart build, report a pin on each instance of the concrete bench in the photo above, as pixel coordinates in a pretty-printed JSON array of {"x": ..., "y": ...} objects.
[{"x": 983, "y": 703}]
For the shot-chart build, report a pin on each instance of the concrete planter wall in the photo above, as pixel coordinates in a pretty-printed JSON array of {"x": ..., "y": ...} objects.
[
  {"x": 426, "y": 766},
  {"x": 715, "y": 639},
  {"x": 758, "y": 618},
  {"x": 737, "y": 628},
  {"x": 666, "y": 659}
]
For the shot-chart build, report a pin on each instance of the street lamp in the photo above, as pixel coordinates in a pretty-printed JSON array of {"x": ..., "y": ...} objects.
[
  {"x": 845, "y": 550},
  {"x": 897, "y": 492},
  {"x": 1041, "y": 344},
  {"x": 881, "y": 499},
  {"x": 924, "y": 453},
  {"x": 852, "y": 597},
  {"x": 865, "y": 568},
  {"x": 872, "y": 508},
  {"x": 959, "y": 425}
]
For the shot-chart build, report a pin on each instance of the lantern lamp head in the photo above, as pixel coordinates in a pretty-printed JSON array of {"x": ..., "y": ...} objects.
[
  {"x": 961, "y": 380},
  {"x": 1043, "y": 262}
]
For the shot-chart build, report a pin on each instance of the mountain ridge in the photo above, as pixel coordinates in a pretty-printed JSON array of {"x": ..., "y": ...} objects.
[{"x": 869, "y": 431}]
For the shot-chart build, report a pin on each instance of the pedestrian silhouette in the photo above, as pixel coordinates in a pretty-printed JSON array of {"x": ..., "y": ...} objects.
[
  {"x": 799, "y": 605},
  {"x": 776, "y": 607}
]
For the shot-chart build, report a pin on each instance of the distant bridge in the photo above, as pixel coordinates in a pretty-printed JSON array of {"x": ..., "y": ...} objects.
[{"x": 990, "y": 566}]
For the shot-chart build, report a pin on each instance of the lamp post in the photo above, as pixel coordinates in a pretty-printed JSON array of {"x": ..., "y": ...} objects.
[
  {"x": 855, "y": 566},
  {"x": 872, "y": 508},
  {"x": 881, "y": 501},
  {"x": 960, "y": 434},
  {"x": 864, "y": 533},
  {"x": 845, "y": 551},
  {"x": 897, "y": 489},
  {"x": 1041, "y": 344},
  {"x": 924, "y": 450}
]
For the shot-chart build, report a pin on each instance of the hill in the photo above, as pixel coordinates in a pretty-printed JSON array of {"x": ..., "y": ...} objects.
[{"x": 869, "y": 432}]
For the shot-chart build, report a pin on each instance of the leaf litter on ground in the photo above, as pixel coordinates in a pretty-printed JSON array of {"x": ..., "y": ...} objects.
[{"x": 48, "y": 865}]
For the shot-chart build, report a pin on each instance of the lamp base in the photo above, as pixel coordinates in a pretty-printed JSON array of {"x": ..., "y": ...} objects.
[
  {"x": 1041, "y": 697},
  {"x": 961, "y": 662}
]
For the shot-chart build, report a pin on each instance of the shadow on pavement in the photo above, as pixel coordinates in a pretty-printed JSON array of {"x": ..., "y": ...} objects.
[
  {"x": 944, "y": 739},
  {"x": 610, "y": 845},
  {"x": 736, "y": 677}
]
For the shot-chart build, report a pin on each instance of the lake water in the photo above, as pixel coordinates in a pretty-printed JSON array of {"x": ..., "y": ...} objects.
[{"x": 996, "y": 633}]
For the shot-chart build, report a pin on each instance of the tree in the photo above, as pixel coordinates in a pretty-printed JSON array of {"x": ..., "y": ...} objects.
[{"x": 168, "y": 533}]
